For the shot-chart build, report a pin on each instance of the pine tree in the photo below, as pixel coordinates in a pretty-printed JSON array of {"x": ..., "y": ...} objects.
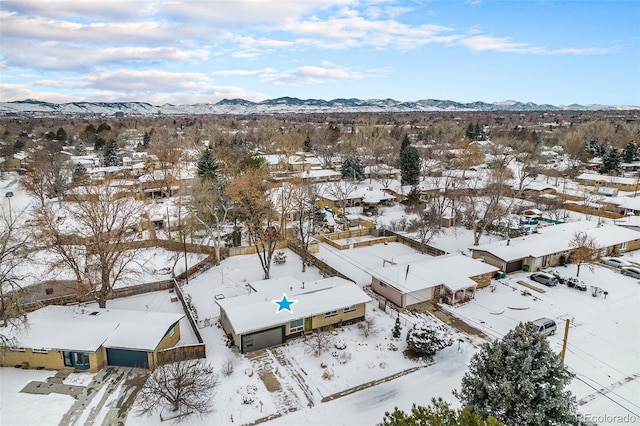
[
  {"x": 630, "y": 152},
  {"x": 207, "y": 165},
  {"x": 146, "y": 139},
  {"x": 352, "y": 168},
  {"x": 520, "y": 381},
  {"x": 405, "y": 142},
  {"x": 437, "y": 413},
  {"x": 307, "y": 144},
  {"x": 410, "y": 166},
  {"x": 611, "y": 162},
  {"x": 80, "y": 148},
  {"x": 80, "y": 175},
  {"x": 111, "y": 154},
  {"x": 427, "y": 338},
  {"x": 396, "y": 332}
]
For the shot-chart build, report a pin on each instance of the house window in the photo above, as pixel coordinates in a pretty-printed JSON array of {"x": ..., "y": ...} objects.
[
  {"x": 40, "y": 351},
  {"x": 48, "y": 291},
  {"x": 331, "y": 314},
  {"x": 17, "y": 349},
  {"x": 349, "y": 309},
  {"x": 623, "y": 246},
  {"x": 81, "y": 359},
  {"x": 297, "y": 325}
]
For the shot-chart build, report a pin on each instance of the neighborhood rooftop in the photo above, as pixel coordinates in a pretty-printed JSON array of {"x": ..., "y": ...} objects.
[
  {"x": 85, "y": 329},
  {"x": 257, "y": 310}
]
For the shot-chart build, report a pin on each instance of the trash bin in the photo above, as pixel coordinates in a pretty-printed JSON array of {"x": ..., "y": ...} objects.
[{"x": 525, "y": 268}]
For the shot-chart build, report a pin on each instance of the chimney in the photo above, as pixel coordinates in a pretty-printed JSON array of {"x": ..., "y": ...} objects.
[{"x": 407, "y": 273}]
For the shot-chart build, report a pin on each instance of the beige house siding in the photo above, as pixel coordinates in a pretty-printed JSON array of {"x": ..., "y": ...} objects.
[
  {"x": 483, "y": 280},
  {"x": 319, "y": 321},
  {"x": 51, "y": 360},
  {"x": 490, "y": 259},
  {"x": 97, "y": 360}
]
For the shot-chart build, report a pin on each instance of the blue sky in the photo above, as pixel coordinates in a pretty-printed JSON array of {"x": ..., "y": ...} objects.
[{"x": 556, "y": 52}]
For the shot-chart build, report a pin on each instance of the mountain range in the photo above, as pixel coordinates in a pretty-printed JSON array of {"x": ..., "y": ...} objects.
[{"x": 285, "y": 105}]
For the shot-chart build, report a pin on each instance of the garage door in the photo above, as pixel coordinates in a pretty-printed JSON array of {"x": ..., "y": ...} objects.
[
  {"x": 127, "y": 358},
  {"x": 516, "y": 265},
  {"x": 421, "y": 296},
  {"x": 262, "y": 339}
]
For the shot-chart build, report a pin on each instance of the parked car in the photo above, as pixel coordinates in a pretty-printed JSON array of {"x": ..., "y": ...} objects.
[
  {"x": 631, "y": 271},
  {"x": 616, "y": 262},
  {"x": 546, "y": 326},
  {"x": 544, "y": 278}
]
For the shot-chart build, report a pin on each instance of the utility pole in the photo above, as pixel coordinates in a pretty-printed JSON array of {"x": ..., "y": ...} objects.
[{"x": 564, "y": 341}]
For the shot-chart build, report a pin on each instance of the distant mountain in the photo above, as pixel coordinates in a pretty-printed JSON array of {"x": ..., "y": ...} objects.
[{"x": 282, "y": 106}]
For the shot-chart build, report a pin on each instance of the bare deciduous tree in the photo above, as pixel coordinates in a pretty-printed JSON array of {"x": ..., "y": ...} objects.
[
  {"x": 319, "y": 341},
  {"x": 304, "y": 197},
  {"x": 585, "y": 249},
  {"x": 368, "y": 327},
  {"x": 253, "y": 206},
  {"x": 91, "y": 238},
  {"x": 183, "y": 387},
  {"x": 426, "y": 226},
  {"x": 341, "y": 191},
  {"x": 210, "y": 206},
  {"x": 13, "y": 257}
]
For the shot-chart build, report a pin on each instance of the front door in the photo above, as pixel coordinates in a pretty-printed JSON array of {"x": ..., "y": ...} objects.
[
  {"x": 68, "y": 359},
  {"x": 77, "y": 360},
  {"x": 307, "y": 324}
]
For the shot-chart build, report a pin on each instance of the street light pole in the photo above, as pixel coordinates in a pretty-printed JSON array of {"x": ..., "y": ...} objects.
[{"x": 8, "y": 196}]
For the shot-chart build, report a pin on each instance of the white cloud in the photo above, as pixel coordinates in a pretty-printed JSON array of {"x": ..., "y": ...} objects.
[
  {"x": 146, "y": 81},
  {"x": 310, "y": 74},
  {"x": 243, "y": 73}
]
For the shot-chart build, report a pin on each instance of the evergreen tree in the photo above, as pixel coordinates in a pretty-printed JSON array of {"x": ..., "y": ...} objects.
[
  {"x": 110, "y": 154},
  {"x": 352, "y": 168},
  {"x": 80, "y": 148},
  {"x": 611, "y": 162},
  {"x": 438, "y": 413},
  {"x": 253, "y": 161},
  {"x": 630, "y": 152},
  {"x": 80, "y": 175},
  {"x": 396, "y": 332},
  {"x": 427, "y": 338},
  {"x": 520, "y": 381},
  {"x": 307, "y": 144},
  {"x": 405, "y": 143},
  {"x": 207, "y": 165},
  {"x": 61, "y": 135},
  {"x": 146, "y": 138},
  {"x": 410, "y": 166}
]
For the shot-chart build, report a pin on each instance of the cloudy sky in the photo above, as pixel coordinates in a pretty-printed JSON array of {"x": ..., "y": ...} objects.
[{"x": 175, "y": 51}]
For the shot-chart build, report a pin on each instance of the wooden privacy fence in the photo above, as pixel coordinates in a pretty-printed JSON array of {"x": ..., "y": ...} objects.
[
  {"x": 416, "y": 245},
  {"x": 592, "y": 211},
  {"x": 181, "y": 353},
  {"x": 188, "y": 312}
]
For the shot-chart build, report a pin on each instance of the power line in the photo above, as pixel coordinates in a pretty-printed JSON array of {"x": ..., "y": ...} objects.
[{"x": 606, "y": 396}]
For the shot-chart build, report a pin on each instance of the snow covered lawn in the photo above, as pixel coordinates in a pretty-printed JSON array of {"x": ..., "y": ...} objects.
[
  {"x": 603, "y": 345},
  {"x": 28, "y": 409}
]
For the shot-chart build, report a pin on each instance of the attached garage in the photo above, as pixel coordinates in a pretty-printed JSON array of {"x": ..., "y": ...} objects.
[
  {"x": 420, "y": 296},
  {"x": 262, "y": 339},
  {"x": 127, "y": 358},
  {"x": 514, "y": 265}
]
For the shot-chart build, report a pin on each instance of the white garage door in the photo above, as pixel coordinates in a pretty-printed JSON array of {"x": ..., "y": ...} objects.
[{"x": 419, "y": 296}]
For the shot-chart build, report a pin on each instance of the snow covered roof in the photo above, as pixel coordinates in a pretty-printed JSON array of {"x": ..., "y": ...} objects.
[
  {"x": 83, "y": 329},
  {"x": 557, "y": 238},
  {"x": 611, "y": 179},
  {"x": 317, "y": 173},
  {"x": 454, "y": 271},
  {"x": 256, "y": 311}
]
